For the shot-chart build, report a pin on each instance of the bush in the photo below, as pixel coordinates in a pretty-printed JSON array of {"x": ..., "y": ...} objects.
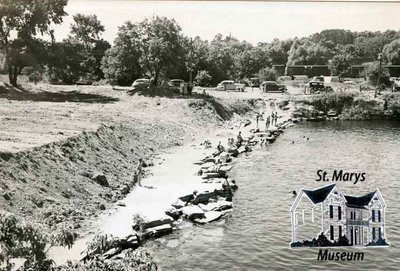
[
  {"x": 35, "y": 74},
  {"x": 379, "y": 242},
  {"x": 322, "y": 241},
  {"x": 139, "y": 259},
  {"x": 392, "y": 102},
  {"x": 19, "y": 239},
  {"x": 268, "y": 74},
  {"x": 356, "y": 112},
  {"x": 203, "y": 78},
  {"x": 372, "y": 73},
  {"x": 335, "y": 101}
]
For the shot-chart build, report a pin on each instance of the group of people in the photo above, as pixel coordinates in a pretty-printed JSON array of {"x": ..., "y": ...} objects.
[{"x": 271, "y": 120}]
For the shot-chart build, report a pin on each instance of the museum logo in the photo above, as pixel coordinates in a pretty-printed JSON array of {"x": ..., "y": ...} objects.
[{"x": 325, "y": 217}]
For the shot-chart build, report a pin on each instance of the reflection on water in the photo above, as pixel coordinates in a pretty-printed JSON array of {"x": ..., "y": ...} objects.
[{"x": 256, "y": 235}]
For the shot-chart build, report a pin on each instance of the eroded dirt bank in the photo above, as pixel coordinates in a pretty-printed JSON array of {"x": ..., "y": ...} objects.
[{"x": 63, "y": 183}]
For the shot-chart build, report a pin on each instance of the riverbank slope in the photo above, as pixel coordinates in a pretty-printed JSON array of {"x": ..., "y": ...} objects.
[{"x": 69, "y": 153}]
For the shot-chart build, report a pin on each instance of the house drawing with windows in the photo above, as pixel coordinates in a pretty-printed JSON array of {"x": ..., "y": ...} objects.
[{"x": 326, "y": 210}]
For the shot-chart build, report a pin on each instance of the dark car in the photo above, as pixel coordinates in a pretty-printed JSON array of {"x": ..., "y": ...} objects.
[
  {"x": 272, "y": 86},
  {"x": 396, "y": 84},
  {"x": 317, "y": 85}
]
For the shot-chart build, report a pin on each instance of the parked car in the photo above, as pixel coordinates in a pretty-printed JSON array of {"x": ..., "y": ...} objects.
[
  {"x": 318, "y": 79},
  {"x": 143, "y": 82},
  {"x": 272, "y": 86},
  {"x": 396, "y": 84},
  {"x": 254, "y": 82},
  {"x": 175, "y": 82},
  {"x": 317, "y": 86},
  {"x": 349, "y": 82},
  {"x": 230, "y": 85},
  {"x": 285, "y": 78}
]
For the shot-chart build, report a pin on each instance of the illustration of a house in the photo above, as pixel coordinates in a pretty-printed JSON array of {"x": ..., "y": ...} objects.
[{"x": 326, "y": 210}]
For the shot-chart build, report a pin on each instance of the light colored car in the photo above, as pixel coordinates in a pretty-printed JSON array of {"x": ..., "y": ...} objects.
[
  {"x": 349, "y": 82},
  {"x": 230, "y": 85},
  {"x": 285, "y": 78},
  {"x": 226, "y": 85},
  {"x": 175, "y": 82},
  {"x": 143, "y": 82}
]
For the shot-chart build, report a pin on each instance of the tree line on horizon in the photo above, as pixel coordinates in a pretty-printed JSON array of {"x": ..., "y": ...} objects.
[{"x": 156, "y": 48}]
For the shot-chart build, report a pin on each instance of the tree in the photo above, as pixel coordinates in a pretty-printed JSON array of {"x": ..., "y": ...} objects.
[
  {"x": 203, "y": 78},
  {"x": 26, "y": 18},
  {"x": 160, "y": 44},
  {"x": 337, "y": 36},
  {"x": 19, "y": 239},
  {"x": 196, "y": 53},
  {"x": 372, "y": 72},
  {"x": 391, "y": 52},
  {"x": 339, "y": 65},
  {"x": 121, "y": 63},
  {"x": 278, "y": 51},
  {"x": 268, "y": 74},
  {"x": 87, "y": 30},
  {"x": 64, "y": 62},
  {"x": 152, "y": 48}
]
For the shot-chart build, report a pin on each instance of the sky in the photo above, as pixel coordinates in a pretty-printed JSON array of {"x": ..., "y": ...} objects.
[{"x": 251, "y": 21}]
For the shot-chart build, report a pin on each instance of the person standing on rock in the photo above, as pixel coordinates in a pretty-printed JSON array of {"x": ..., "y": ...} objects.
[
  {"x": 139, "y": 171},
  {"x": 257, "y": 118},
  {"x": 267, "y": 121},
  {"x": 239, "y": 139}
]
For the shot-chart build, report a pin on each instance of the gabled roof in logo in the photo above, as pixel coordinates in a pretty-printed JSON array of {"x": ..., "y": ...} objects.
[
  {"x": 359, "y": 202},
  {"x": 320, "y": 194}
]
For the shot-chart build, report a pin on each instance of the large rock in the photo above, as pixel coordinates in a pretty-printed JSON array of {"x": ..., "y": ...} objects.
[
  {"x": 192, "y": 212},
  {"x": 158, "y": 231},
  {"x": 101, "y": 179},
  {"x": 174, "y": 213},
  {"x": 186, "y": 198},
  {"x": 233, "y": 152},
  {"x": 179, "y": 204},
  {"x": 166, "y": 220},
  {"x": 209, "y": 217},
  {"x": 210, "y": 175},
  {"x": 203, "y": 197},
  {"x": 220, "y": 205}
]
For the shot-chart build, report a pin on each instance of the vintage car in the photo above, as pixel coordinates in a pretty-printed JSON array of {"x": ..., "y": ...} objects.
[
  {"x": 272, "y": 86},
  {"x": 143, "y": 82},
  {"x": 396, "y": 84},
  {"x": 175, "y": 82},
  {"x": 317, "y": 85},
  {"x": 230, "y": 85}
]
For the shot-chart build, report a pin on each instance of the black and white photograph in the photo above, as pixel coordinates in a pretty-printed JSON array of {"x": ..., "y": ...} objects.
[{"x": 199, "y": 135}]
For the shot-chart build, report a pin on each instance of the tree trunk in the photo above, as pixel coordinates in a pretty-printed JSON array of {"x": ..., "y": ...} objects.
[{"x": 12, "y": 75}]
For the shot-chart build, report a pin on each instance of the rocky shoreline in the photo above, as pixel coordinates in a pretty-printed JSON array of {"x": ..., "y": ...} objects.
[{"x": 202, "y": 206}]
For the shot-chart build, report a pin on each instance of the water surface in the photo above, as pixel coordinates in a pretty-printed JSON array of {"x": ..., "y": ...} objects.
[{"x": 256, "y": 235}]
